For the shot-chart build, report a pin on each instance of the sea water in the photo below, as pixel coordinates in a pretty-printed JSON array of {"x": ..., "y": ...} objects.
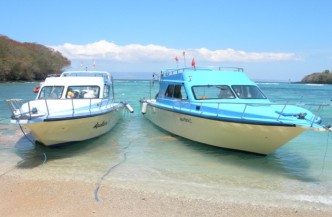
[{"x": 138, "y": 155}]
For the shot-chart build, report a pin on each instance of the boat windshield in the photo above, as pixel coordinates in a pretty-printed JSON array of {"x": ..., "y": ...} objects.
[
  {"x": 83, "y": 92},
  {"x": 51, "y": 92},
  {"x": 248, "y": 92},
  {"x": 226, "y": 92}
]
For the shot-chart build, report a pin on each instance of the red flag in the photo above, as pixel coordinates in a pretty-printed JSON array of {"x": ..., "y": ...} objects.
[
  {"x": 193, "y": 63},
  {"x": 176, "y": 59}
]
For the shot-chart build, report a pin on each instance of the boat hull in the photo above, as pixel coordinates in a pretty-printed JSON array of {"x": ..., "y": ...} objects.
[
  {"x": 58, "y": 131},
  {"x": 255, "y": 138}
]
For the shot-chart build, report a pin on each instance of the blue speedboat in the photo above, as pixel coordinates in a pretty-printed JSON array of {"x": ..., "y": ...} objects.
[{"x": 224, "y": 108}]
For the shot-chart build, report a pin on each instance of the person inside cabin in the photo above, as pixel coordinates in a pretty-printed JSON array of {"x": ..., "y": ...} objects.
[
  {"x": 70, "y": 93},
  {"x": 90, "y": 94},
  {"x": 169, "y": 91},
  {"x": 177, "y": 92},
  {"x": 225, "y": 93}
]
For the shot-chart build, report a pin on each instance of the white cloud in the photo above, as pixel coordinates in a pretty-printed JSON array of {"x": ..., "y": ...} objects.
[
  {"x": 231, "y": 55},
  {"x": 106, "y": 50}
]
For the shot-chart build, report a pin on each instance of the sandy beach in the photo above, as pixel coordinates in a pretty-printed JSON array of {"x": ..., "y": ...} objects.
[{"x": 32, "y": 197}]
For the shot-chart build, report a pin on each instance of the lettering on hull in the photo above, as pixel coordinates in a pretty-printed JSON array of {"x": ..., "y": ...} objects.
[
  {"x": 104, "y": 123},
  {"x": 188, "y": 120}
]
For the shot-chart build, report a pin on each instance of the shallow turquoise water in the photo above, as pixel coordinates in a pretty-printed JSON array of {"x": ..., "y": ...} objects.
[{"x": 138, "y": 154}]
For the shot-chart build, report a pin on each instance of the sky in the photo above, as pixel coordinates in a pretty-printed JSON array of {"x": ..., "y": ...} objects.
[{"x": 282, "y": 40}]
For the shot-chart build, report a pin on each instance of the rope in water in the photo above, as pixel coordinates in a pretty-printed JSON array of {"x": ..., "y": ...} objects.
[
  {"x": 108, "y": 171},
  {"x": 325, "y": 154},
  {"x": 26, "y": 136}
]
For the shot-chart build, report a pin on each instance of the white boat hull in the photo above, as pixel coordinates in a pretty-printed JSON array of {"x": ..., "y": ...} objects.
[
  {"x": 76, "y": 106},
  {"x": 54, "y": 132},
  {"x": 255, "y": 138}
]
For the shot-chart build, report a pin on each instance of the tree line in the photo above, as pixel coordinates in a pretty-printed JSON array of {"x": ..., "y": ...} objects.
[
  {"x": 28, "y": 61},
  {"x": 32, "y": 61},
  {"x": 324, "y": 77}
]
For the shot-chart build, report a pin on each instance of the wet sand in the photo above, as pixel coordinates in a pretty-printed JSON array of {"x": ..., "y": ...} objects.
[{"x": 32, "y": 197}]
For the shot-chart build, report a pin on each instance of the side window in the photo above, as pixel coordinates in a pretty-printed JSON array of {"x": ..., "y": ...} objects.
[
  {"x": 184, "y": 93},
  {"x": 199, "y": 92},
  {"x": 169, "y": 91},
  {"x": 106, "y": 91},
  {"x": 177, "y": 92},
  {"x": 212, "y": 92},
  {"x": 180, "y": 92}
]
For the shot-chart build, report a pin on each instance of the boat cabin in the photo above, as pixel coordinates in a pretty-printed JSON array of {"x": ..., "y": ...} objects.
[
  {"x": 207, "y": 85},
  {"x": 77, "y": 85}
]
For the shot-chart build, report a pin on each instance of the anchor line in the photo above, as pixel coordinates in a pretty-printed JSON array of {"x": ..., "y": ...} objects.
[
  {"x": 325, "y": 154},
  {"x": 21, "y": 162},
  {"x": 26, "y": 136},
  {"x": 10, "y": 169},
  {"x": 98, "y": 185}
]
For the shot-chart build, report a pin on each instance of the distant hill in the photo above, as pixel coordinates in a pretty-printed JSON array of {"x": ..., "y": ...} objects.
[
  {"x": 28, "y": 61},
  {"x": 324, "y": 77}
]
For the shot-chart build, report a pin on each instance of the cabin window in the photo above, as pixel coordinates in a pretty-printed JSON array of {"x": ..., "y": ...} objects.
[
  {"x": 106, "y": 91},
  {"x": 176, "y": 91},
  {"x": 225, "y": 92},
  {"x": 81, "y": 92},
  {"x": 51, "y": 92},
  {"x": 248, "y": 92},
  {"x": 180, "y": 92},
  {"x": 213, "y": 92},
  {"x": 169, "y": 90}
]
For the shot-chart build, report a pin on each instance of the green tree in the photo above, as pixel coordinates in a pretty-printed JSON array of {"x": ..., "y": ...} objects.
[
  {"x": 28, "y": 61},
  {"x": 324, "y": 77}
]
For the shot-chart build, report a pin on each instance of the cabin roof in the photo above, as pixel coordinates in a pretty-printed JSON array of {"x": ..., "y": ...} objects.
[
  {"x": 66, "y": 81},
  {"x": 208, "y": 77}
]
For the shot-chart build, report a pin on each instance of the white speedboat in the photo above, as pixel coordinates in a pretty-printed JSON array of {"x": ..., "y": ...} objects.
[
  {"x": 76, "y": 106},
  {"x": 225, "y": 108}
]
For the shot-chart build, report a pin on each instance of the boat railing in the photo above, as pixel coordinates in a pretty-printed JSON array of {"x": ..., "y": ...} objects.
[
  {"x": 218, "y": 109},
  {"x": 23, "y": 109},
  {"x": 230, "y": 68},
  {"x": 172, "y": 71},
  {"x": 15, "y": 106},
  {"x": 105, "y": 75}
]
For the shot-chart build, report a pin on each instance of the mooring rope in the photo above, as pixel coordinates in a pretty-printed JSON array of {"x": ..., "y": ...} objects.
[
  {"x": 108, "y": 171},
  {"x": 26, "y": 136},
  {"x": 10, "y": 169},
  {"x": 24, "y": 160},
  {"x": 325, "y": 154}
]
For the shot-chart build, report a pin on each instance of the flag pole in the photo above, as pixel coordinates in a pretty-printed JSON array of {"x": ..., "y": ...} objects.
[{"x": 193, "y": 63}]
